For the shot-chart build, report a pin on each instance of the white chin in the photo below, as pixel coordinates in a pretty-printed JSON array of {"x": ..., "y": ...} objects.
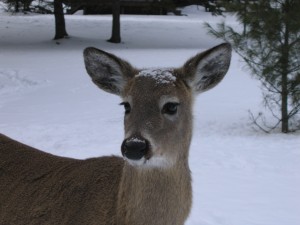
[
  {"x": 153, "y": 162},
  {"x": 139, "y": 162}
]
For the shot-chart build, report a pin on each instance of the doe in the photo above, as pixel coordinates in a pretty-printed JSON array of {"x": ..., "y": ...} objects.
[{"x": 150, "y": 185}]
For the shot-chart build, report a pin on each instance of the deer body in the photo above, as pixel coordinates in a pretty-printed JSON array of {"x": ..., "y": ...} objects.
[
  {"x": 150, "y": 185},
  {"x": 38, "y": 188}
]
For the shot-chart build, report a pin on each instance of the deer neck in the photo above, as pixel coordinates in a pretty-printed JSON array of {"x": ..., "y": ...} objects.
[{"x": 155, "y": 195}]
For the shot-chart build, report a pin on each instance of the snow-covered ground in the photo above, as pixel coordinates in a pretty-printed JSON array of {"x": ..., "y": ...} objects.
[{"x": 240, "y": 176}]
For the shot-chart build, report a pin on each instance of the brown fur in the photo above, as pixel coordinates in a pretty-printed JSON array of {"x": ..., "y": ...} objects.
[
  {"x": 154, "y": 196},
  {"x": 37, "y": 188}
]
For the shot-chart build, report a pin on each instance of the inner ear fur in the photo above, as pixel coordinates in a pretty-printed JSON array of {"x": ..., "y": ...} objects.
[
  {"x": 107, "y": 71},
  {"x": 205, "y": 70}
]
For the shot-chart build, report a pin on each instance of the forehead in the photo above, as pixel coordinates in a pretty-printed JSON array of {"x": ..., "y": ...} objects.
[{"x": 154, "y": 83}]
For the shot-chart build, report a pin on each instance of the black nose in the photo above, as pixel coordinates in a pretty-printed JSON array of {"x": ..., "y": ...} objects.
[{"x": 134, "y": 148}]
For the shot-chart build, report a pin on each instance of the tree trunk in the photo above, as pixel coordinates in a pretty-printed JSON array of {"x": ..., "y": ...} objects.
[
  {"x": 60, "y": 26},
  {"x": 17, "y": 5},
  {"x": 116, "y": 33},
  {"x": 284, "y": 75},
  {"x": 284, "y": 104},
  {"x": 26, "y": 6}
]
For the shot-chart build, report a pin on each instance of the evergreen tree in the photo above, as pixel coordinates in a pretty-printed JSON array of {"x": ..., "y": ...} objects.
[{"x": 270, "y": 45}]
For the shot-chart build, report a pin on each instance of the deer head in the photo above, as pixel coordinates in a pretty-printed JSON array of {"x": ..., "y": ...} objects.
[{"x": 158, "y": 102}]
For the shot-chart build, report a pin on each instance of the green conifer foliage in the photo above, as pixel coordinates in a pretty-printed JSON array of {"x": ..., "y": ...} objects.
[{"x": 269, "y": 42}]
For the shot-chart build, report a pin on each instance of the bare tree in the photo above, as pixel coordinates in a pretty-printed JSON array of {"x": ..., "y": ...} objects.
[
  {"x": 116, "y": 30},
  {"x": 60, "y": 25}
]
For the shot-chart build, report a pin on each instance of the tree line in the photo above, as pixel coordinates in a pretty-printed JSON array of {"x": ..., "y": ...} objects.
[{"x": 57, "y": 8}]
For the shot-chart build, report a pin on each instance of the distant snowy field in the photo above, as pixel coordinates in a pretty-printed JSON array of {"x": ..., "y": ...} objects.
[{"x": 240, "y": 176}]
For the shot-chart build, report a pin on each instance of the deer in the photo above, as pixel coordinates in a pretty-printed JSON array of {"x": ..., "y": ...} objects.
[{"x": 150, "y": 184}]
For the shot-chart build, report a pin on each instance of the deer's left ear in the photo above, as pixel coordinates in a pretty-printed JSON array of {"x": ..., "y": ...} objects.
[
  {"x": 108, "y": 72},
  {"x": 207, "y": 69}
]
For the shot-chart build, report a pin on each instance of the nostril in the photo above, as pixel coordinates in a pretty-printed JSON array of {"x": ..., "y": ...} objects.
[{"x": 134, "y": 148}]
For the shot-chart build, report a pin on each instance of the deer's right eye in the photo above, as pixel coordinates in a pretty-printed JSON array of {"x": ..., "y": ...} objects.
[
  {"x": 170, "y": 108},
  {"x": 127, "y": 107}
]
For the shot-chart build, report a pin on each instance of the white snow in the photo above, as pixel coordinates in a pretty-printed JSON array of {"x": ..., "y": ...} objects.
[
  {"x": 240, "y": 176},
  {"x": 161, "y": 76},
  {"x": 135, "y": 139}
]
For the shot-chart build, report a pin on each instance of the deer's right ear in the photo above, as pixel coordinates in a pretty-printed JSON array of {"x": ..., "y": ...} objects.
[
  {"x": 207, "y": 69},
  {"x": 107, "y": 71}
]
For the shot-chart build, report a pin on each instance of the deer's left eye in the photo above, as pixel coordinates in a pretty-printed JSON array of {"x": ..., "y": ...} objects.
[
  {"x": 127, "y": 107},
  {"x": 170, "y": 108}
]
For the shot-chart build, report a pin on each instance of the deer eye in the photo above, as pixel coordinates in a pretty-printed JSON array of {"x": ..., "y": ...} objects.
[
  {"x": 127, "y": 107},
  {"x": 170, "y": 108}
]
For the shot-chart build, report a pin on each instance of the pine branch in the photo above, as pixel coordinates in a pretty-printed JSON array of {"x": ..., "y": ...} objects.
[
  {"x": 255, "y": 121},
  {"x": 294, "y": 111},
  {"x": 263, "y": 125}
]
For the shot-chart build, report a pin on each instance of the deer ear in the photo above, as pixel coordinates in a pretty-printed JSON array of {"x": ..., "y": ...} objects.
[
  {"x": 207, "y": 69},
  {"x": 107, "y": 71}
]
